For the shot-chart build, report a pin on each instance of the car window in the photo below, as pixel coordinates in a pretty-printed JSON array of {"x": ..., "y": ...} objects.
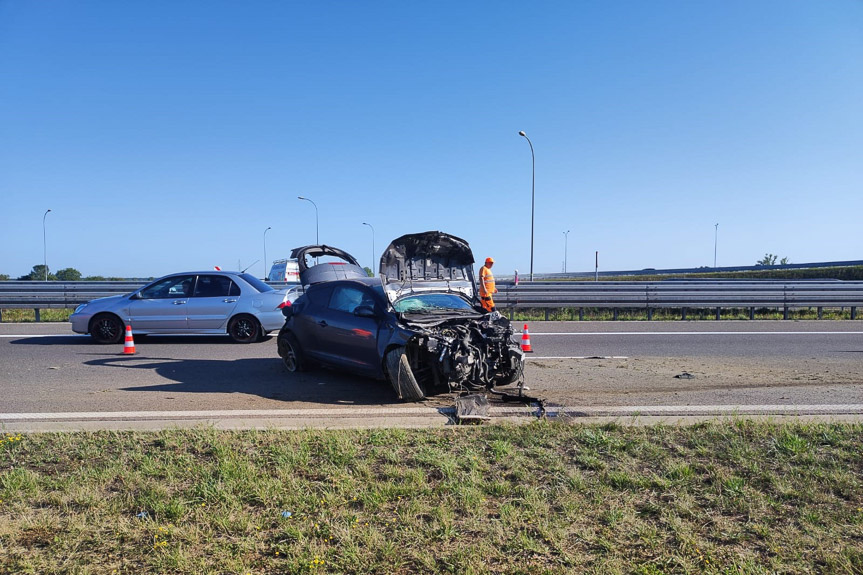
[
  {"x": 256, "y": 283},
  {"x": 432, "y": 302},
  {"x": 172, "y": 287},
  {"x": 349, "y": 298},
  {"x": 215, "y": 286}
]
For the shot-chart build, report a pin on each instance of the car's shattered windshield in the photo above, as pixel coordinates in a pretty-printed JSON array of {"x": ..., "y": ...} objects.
[{"x": 432, "y": 303}]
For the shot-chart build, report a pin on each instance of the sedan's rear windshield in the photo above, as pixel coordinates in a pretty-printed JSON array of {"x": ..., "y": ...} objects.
[
  {"x": 256, "y": 283},
  {"x": 430, "y": 303}
]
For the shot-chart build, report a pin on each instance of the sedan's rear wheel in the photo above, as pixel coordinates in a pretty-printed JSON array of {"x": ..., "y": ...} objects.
[
  {"x": 401, "y": 375},
  {"x": 107, "y": 328},
  {"x": 244, "y": 329}
]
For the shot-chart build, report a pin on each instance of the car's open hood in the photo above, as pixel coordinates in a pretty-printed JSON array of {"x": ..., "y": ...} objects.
[
  {"x": 428, "y": 261},
  {"x": 312, "y": 273}
]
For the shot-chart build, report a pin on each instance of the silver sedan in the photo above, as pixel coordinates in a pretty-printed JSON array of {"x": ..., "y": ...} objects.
[{"x": 213, "y": 302}]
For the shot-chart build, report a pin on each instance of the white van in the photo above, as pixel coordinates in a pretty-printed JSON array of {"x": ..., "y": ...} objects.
[{"x": 286, "y": 270}]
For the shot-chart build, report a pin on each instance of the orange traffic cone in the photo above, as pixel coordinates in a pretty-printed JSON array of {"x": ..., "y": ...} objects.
[
  {"x": 129, "y": 346},
  {"x": 525, "y": 340}
]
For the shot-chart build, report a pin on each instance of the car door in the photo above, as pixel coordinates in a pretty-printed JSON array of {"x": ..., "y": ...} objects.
[
  {"x": 212, "y": 303},
  {"x": 161, "y": 306},
  {"x": 306, "y": 325},
  {"x": 344, "y": 338}
]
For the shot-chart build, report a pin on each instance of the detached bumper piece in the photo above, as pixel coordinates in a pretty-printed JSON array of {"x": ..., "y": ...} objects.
[{"x": 471, "y": 408}]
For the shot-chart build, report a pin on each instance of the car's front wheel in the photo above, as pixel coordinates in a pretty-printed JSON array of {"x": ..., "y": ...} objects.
[
  {"x": 244, "y": 329},
  {"x": 107, "y": 328},
  {"x": 401, "y": 375}
]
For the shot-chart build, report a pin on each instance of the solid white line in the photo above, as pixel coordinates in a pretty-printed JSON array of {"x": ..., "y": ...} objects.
[
  {"x": 700, "y": 333},
  {"x": 576, "y": 357},
  {"x": 433, "y": 411},
  {"x": 44, "y": 335}
]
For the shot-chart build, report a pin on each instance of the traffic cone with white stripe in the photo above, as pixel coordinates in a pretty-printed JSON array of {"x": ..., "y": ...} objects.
[
  {"x": 525, "y": 340},
  {"x": 129, "y": 346}
]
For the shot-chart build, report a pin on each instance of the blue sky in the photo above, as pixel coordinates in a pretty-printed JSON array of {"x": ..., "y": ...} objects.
[{"x": 168, "y": 135}]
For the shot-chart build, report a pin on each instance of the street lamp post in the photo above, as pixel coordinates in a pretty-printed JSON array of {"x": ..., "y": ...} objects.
[
  {"x": 265, "y": 250},
  {"x": 317, "y": 238},
  {"x": 715, "y": 241},
  {"x": 45, "y": 245},
  {"x": 373, "y": 246},
  {"x": 532, "y": 195},
  {"x": 565, "y": 238}
]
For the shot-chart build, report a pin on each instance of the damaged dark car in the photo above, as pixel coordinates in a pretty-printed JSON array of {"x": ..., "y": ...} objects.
[{"x": 418, "y": 325}]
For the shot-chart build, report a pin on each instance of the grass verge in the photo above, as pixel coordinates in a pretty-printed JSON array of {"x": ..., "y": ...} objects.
[{"x": 548, "y": 497}]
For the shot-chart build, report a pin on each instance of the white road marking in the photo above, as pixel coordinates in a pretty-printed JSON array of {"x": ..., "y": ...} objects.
[
  {"x": 576, "y": 357},
  {"x": 701, "y": 333},
  {"x": 436, "y": 411}
]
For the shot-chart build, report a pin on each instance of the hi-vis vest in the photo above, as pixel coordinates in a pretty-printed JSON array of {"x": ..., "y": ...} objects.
[{"x": 486, "y": 282}]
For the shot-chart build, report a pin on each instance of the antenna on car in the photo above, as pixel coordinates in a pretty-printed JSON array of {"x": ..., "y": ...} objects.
[{"x": 250, "y": 265}]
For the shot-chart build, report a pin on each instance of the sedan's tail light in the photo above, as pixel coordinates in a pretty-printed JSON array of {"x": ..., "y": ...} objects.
[{"x": 284, "y": 304}]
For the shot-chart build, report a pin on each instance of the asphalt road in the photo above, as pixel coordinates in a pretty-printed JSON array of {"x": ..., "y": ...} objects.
[{"x": 51, "y": 378}]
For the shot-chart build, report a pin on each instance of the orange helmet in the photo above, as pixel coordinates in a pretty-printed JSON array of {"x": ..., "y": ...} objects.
[{"x": 489, "y": 260}]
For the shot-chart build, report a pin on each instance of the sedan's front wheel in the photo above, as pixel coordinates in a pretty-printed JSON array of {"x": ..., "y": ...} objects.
[
  {"x": 107, "y": 328},
  {"x": 402, "y": 376},
  {"x": 244, "y": 329}
]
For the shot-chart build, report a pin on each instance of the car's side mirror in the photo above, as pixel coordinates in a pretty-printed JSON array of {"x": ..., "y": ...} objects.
[{"x": 364, "y": 311}]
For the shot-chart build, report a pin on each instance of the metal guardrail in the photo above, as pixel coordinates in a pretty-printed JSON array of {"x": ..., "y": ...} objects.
[
  {"x": 678, "y": 294},
  {"x": 695, "y": 294}
]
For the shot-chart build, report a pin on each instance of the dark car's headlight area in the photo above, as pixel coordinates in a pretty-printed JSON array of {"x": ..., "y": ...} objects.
[{"x": 473, "y": 355}]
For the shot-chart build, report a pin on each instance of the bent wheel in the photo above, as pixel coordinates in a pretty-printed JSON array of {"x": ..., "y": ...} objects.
[
  {"x": 244, "y": 329},
  {"x": 402, "y": 377}
]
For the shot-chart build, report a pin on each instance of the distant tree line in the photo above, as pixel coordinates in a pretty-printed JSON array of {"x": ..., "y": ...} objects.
[{"x": 64, "y": 275}]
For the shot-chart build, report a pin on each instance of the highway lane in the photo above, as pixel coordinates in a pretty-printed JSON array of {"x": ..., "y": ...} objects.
[{"x": 44, "y": 368}]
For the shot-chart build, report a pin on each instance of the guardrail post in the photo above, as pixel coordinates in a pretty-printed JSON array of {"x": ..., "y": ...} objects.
[
  {"x": 717, "y": 313},
  {"x": 785, "y": 312},
  {"x": 581, "y": 314},
  {"x": 820, "y": 309},
  {"x": 38, "y": 318},
  {"x": 649, "y": 314},
  {"x": 853, "y": 312},
  {"x": 614, "y": 316},
  {"x": 546, "y": 314},
  {"x": 751, "y": 313},
  {"x": 683, "y": 313}
]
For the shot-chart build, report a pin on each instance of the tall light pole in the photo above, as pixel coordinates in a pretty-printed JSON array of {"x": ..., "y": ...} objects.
[
  {"x": 45, "y": 245},
  {"x": 532, "y": 195},
  {"x": 265, "y": 250},
  {"x": 565, "y": 238},
  {"x": 373, "y": 246},
  {"x": 317, "y": 238},
  {"x": 715, "y": 241}
]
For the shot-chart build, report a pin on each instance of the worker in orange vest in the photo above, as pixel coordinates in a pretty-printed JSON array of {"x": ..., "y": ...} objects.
[{"x": 486, "y": 285}]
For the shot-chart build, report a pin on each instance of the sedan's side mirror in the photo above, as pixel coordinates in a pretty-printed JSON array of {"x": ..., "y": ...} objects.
[{"x": 364, "y": 311}]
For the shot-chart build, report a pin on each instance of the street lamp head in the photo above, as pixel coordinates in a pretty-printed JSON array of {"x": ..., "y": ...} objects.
[
  {"x": 522, "y": 134},
  {"x": 300, "y": 198}
]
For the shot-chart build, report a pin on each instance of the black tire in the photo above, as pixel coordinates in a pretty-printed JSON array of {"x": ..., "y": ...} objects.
[
  {"x": 290, "y": 352},
  {"x": 107, "y": 328},
  {"x": 401, "y": 376},
  {"x": 512, "y": 377},
  {"x": 244, "y": 329}
]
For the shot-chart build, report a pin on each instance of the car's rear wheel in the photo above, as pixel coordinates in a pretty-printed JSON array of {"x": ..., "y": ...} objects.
[
  {"x": 107, "y": 328},
  {"x": 401, "y": 375},
  {"x": 292, "y": 355},
  {"x": 244, "y": 329}
]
